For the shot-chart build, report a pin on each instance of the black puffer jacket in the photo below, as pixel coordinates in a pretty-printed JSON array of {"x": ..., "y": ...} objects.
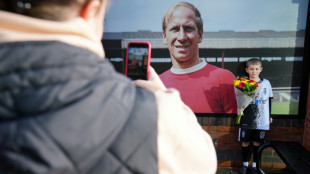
[{"x": 65, "y": 110}]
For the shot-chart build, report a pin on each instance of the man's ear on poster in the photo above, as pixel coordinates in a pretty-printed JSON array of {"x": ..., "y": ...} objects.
[
  {"x": 200, "y": 32},
  {"x": 164, "y": 38}
]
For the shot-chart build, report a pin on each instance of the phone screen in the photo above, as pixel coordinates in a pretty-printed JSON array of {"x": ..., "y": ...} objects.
[{"x": 138, "y": 60}]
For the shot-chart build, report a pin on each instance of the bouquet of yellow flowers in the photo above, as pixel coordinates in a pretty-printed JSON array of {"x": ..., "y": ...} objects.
[{"x": 245, "y": 91}]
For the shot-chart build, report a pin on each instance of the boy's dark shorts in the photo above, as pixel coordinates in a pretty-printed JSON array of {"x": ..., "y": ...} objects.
[{"x": 248, "y": 135}]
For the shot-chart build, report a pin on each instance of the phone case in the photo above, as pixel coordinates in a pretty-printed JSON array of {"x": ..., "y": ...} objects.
[{"x": 138, "y": 58}]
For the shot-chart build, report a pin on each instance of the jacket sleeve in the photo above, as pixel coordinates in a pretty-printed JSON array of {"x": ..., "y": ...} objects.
[{"x": 183, "y": 146}]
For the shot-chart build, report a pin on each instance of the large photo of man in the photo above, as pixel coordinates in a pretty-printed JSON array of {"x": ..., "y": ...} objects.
[{"x": 205, "y": 88}]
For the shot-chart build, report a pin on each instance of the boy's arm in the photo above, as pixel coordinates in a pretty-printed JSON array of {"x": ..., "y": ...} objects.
[{"x": 270, "y": 117}]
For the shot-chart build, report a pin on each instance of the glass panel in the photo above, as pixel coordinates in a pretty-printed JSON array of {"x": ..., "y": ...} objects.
[{"x": 272, "y": 31}]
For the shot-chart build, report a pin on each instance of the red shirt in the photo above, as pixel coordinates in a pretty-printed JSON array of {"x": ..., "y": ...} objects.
[{"x": 207, "y": 90}]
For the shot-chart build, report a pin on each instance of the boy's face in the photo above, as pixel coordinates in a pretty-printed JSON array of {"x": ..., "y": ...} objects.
[{"x": 254, "y": 70}]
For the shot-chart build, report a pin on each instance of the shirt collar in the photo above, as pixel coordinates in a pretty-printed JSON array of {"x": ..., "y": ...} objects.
[{"x": 194, "y": 68}]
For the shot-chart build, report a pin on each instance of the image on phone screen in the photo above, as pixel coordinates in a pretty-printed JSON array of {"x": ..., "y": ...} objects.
[{"x": 138, "y": 60}]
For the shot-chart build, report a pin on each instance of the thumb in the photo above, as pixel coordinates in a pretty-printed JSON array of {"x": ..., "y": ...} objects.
[{"x": 153, "y": 83}]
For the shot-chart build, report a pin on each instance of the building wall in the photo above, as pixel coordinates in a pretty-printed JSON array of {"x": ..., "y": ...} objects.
[
  {"x": 224, "y": 133},
  {"x": 307, "y": 121},
  {"x": 223, "y": 129}
]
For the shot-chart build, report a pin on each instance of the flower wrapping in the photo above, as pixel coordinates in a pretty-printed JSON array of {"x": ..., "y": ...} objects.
[{"x": 245, "y": 91}]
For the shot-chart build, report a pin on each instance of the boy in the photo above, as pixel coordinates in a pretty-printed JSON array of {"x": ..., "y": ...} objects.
[{"x": 256, "y": 117}]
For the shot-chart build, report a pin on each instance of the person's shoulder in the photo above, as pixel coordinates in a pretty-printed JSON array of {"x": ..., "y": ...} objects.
[
  {"x": 210, "y": 66},
  {"x": 165, "y": 74},
  {"x": 220, "y": 71},
  {"x": 266, "y": 81}
]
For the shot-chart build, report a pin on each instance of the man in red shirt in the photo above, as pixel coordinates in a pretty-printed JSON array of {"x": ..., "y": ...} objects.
[{"x": 203, "y": 87}]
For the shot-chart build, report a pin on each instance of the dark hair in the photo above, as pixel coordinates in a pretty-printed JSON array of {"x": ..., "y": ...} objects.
[
  {"x": 56, "y": 10},
  {"x": 169, "y": 12}
]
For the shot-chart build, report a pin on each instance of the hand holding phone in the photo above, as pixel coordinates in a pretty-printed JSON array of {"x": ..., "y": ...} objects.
[
  {"x": 153, "y": 83},
  {"x": 138, "y": 58}
]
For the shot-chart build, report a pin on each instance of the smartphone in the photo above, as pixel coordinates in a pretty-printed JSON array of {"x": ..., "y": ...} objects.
[{"x": 138, "y": 58}]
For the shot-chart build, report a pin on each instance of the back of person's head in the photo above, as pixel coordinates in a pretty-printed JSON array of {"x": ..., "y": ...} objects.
[
  {"x": 254, "y": 61},
  {"x": 56, "y": 10},
  {"x": 168, "y": 15}
]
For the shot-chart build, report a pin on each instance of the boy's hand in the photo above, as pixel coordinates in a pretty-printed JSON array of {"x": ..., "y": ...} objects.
[
  {"x": 153, "y": 83},
  {"x": 270, "y": 120}
]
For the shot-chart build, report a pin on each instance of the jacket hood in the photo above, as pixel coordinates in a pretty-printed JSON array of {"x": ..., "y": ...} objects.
[{"x": 76, "y": 32}]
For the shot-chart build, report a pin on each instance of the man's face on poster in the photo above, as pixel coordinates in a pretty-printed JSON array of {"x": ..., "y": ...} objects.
[{"x": 182, "y": 35}]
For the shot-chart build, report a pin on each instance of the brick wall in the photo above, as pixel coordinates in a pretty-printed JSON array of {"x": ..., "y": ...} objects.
[
  {"x": 224, "y": 133},
  {"x": 307, "y": 121}
]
